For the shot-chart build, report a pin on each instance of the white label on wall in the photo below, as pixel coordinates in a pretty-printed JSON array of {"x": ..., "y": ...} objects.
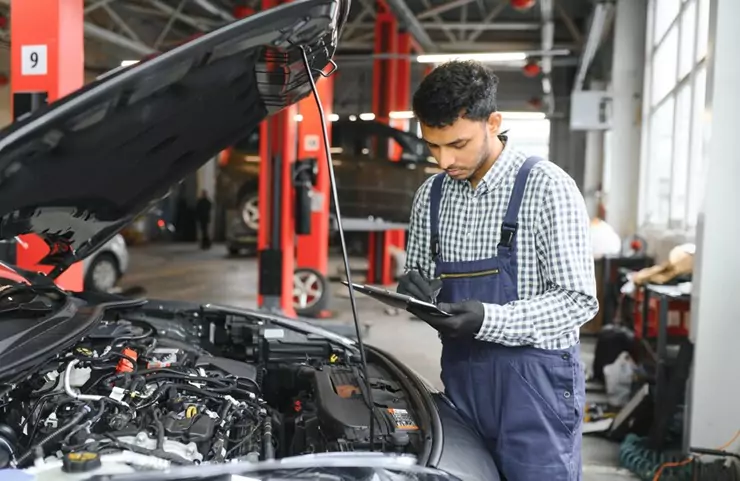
[
  {"x": 311, "y": 143},
  {"x": 34, "y": 60}
]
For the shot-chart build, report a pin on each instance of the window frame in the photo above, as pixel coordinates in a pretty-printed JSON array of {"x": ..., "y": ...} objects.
[{"x": 650, "y": 107}]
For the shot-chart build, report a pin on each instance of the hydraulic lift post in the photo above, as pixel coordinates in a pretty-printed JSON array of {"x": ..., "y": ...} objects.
[
  {"x": 313, "y": 248},
  {"x": 394, "y": 72},
  {"x": 47, "y": 63},
  {"x": 276, "y": 236}
]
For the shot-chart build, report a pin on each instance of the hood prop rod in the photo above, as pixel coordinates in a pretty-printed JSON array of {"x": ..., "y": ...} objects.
[{"x": 345, "y": 257}]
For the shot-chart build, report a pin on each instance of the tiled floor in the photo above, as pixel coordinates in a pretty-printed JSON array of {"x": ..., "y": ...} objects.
[{"x": 184, "y": 272}]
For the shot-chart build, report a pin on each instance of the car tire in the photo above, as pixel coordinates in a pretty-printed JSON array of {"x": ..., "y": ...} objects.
[
  {"x": 249, "y": 211},
  {"x": 103, "y": 273},
  {"x": 310, "y": 292}
]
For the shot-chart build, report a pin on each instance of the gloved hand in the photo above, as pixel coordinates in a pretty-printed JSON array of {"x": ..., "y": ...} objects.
[
  {"x": 415, "y": 285},
  {"x": 465, "y": 322}
]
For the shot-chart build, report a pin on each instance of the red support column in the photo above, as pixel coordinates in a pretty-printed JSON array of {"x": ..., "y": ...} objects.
[
  {"x": 276, "y": 237},
  {"x": 313, "y": 249},
  {"x": 384, "y": 69},
  {"x": 47, "y": 63}
]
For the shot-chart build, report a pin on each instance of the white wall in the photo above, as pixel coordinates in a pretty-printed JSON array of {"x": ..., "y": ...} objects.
[{"x": 714, "y": 408}]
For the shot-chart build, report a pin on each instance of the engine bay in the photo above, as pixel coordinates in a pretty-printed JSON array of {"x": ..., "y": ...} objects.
[{"x": 138, "y": 392}]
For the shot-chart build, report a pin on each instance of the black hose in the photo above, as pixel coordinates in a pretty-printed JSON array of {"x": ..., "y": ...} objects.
[
  {"x": 40, "y": 445},
  {"x": 269, "y": 449}
]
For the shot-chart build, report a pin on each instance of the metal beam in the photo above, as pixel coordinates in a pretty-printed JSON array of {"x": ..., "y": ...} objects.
[
  {"x": 500, "y": 7},
  {"x": 501, "y": 26},
  {"x": 601, "y": 13},
  {"x": 548, "y": 39},
  {"x": 94, "y": 31},
  {"x": 431, "y": 12},
  {"x": 214, "y": 10},
  {"x": 407, "y": 18},
  {"x": 180, "y": 16},
  {"x": 530, "y": 48},
  {"x": 121, "y": 23},
  {"x": 575, "y": 32}
]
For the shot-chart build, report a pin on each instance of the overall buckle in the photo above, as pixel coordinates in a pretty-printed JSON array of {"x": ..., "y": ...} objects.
[{"x": 507, "y": 234}]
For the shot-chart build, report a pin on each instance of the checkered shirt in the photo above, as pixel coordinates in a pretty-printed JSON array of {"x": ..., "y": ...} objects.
[{"x": 556, "y": 280}]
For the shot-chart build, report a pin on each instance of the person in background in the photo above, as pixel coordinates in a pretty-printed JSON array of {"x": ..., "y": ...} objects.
[
  {"x": 203, "y": 216},
  {"x": 500, "y": 240}
]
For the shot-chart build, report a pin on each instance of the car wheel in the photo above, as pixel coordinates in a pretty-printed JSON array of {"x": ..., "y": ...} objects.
[
  {"x": 310, "y": 292},
  {"x": 103, "y": 273},
  {"x": 234, "y": 251},
  {"x": 250, "y": 211}
]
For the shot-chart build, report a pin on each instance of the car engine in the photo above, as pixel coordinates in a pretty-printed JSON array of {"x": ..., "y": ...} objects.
[{"x": 127, "y": 398}]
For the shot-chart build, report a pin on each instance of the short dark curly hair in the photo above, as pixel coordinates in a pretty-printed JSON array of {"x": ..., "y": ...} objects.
[{"x": 456, "y": 89}]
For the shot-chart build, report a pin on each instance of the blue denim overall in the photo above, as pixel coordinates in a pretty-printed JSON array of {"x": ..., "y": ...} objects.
[{"x": 526, "y": 402}]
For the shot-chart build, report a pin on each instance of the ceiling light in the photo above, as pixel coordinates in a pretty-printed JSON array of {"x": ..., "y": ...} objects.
[
  {"x": 523, "y": 115},
  {"x": 402, "y": 114},
  {"x": 128, "y": 63},
  {"x": 480, "y": 57},
  {"x": 333, "y": 117},
  {"x": 367, "y": 116}
]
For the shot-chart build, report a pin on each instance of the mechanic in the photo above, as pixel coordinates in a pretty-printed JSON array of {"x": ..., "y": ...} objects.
[{"x": 501, "y": 241}]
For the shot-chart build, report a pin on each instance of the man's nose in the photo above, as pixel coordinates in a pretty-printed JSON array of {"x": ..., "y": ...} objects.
[{"x": 445, "y": 159}]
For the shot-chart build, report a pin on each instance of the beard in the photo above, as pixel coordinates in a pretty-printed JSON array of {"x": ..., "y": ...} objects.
[{"x": 483, "y": 155}]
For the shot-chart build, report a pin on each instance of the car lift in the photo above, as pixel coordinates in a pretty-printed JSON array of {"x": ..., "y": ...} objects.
[
  {"x": 293, "y": 238},
  {"x": 47, "y": 62},
  {"x": 312, "y": 253},
  {"x": 385, "y": 237}
]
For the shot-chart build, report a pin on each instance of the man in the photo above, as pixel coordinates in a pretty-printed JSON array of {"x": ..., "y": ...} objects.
[
  {"x": 505, "y": 239},
  {"x": 203, "y": 214}
]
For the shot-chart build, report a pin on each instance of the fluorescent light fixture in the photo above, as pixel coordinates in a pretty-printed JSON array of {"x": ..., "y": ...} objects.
[
  {"x": 333, "y": 117},
  {"x": 298, "y": 117},
  {"x": 524, "y": 115},
  {"x": 367, "y": 116},
  {"x": 352, "y": 118},
  {"x": 404, "y": 114},
  {"x": 480, "y": 57},
  {"x": 128, "y": 63}
]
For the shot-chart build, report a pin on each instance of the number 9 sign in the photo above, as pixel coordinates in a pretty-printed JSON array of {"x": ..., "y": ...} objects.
[{"x": 34, "y": 60}]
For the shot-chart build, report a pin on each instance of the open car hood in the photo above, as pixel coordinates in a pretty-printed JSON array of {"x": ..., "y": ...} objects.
[{"x": 78, "y": 171}]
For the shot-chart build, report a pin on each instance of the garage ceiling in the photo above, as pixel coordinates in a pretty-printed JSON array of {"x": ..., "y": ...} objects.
[{"x": 551, "y": 31}]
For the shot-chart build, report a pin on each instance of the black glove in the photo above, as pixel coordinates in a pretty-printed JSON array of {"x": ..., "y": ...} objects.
[
  {"x": 415, "y": 285},
  {"x": 465, "y": 322}
]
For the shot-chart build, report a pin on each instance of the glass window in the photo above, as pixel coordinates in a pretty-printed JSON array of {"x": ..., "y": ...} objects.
[
  {"x": 666, "y": 12},
  {"x": 658, "y": 185},
  {"x": 664, "y": 66},
  {"x": 702, "y": 38},
  {"x": 688, "y": 39},
  {"x": 699, "y": 135},
  {"x": 680, "y": 168}
]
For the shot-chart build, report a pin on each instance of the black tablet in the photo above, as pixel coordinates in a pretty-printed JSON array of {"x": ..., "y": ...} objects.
[{"x": 399, "y": 301}]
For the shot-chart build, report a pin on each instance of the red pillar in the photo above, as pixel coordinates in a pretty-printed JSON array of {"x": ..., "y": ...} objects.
[
  {"x": 384, "y": 70},
  {"x": 313, "y": 249},
  {"x": 276, "y": 237},
  {"x": 47, "y": 63}
]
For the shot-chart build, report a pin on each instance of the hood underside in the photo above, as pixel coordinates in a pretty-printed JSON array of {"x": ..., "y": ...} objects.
[{"x": 78, "y": 171}]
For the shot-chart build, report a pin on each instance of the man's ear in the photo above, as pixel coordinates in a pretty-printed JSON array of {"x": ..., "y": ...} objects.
[{"x": 494, "y": 123}]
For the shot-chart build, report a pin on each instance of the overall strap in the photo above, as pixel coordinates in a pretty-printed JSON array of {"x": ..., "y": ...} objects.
[
  {"x": 511, "y": 223},
  {"x": 435, "y": 199}
]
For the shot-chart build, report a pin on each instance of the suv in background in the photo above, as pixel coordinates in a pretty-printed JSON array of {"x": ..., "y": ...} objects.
[{"x": 378, "y": 169}]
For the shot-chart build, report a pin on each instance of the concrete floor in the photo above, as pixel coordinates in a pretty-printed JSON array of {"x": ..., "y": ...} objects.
[{"x": 183, "y": 272}]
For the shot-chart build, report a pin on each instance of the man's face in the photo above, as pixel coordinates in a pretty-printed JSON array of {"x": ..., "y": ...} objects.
[{"x": 461, "y": 148}]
